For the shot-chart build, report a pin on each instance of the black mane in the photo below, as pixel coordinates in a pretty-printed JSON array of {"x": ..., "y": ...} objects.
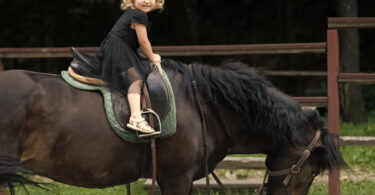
[
  {"x": 274, "y": 113},
  {"x": 238, "y": 86}
]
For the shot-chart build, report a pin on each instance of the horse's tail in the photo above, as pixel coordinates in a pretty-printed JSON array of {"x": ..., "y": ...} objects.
[{"x": 11, "y": 173}]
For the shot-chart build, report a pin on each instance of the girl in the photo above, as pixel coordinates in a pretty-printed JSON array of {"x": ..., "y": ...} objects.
[{"x": 121, "y": 67}]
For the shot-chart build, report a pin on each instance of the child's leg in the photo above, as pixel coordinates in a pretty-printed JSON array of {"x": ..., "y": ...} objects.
[
  {"x": 134, "y": 98},
  {"x": 136, "y": 122}
]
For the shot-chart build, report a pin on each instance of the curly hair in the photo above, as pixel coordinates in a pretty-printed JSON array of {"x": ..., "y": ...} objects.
[{"x": 130, "y": 3}]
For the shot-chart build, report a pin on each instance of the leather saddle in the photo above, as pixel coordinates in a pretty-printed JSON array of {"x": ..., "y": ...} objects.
[{"x": 84, "y": 69}]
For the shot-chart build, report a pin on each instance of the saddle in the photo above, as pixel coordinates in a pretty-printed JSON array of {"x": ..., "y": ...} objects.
[{"x": 156, "y": 95}]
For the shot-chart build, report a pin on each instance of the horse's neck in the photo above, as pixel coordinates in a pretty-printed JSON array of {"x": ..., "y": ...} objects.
[
  {"x": 229, "y": 132},
  {"x": 240, "y": 137}
]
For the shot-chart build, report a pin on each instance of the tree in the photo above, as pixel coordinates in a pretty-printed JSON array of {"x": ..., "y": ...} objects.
[{"x": 351, "y": 100}]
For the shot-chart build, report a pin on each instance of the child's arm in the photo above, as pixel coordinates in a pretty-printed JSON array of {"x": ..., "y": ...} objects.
[{"x": 144, "y": 43}]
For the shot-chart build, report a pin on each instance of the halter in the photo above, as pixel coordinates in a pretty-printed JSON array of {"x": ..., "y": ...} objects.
[{"x": 291, "y": 173}]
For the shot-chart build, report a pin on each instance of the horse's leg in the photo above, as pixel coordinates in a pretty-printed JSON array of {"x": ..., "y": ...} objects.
[{"x": 173, "y": 185}]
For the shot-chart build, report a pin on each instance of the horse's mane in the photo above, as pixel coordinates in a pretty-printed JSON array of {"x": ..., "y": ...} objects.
[
  {"x": 235, "y": 85},
  {"x": 268, "y": 110}
]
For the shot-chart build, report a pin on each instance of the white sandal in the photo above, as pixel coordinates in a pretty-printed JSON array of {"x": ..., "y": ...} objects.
[{"x": 143, "y": 127}]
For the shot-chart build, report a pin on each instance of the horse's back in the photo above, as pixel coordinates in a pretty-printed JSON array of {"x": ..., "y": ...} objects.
[{"x": 14, "y": 81}]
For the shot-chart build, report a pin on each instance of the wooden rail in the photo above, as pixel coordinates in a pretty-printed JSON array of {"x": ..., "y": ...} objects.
[
  {"x": 196, "y": 50},
  {"x": 347, "y": 22},
  {"x": 357, "y": 141},
  {"x": 312, "y": 101},
  {"x": 293, "y": 73},
  {"x": 362, "y": 78},
  {"x": 248, "y": 184}
]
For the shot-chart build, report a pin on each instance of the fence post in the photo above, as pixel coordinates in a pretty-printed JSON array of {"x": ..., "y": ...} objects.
[
  {"x": 1, "y": 66},
  {"x": 3, "y": 191},
  {"x": 333, "y": 101}
]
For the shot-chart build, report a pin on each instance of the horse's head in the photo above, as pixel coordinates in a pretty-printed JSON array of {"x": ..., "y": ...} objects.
[{"x": 292, "y": 168}]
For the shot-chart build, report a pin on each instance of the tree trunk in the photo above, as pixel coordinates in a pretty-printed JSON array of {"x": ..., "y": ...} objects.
[{"x": 351, "y": 101}]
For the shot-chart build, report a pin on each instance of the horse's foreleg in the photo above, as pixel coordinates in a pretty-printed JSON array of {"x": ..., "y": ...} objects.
[{"x": 172, "y": 186}]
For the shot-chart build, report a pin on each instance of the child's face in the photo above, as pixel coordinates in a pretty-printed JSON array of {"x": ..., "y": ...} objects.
[{"x": 145, "y": 5}]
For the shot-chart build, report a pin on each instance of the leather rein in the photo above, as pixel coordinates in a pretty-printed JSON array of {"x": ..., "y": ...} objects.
[
  {"x": 204, "y": 135},
  {"x": 291, "y": 173}
]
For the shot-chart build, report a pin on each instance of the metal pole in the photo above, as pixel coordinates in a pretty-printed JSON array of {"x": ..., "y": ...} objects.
[{"x": 333, "y": 101}]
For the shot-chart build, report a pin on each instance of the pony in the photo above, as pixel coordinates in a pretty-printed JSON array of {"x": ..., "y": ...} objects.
[{"x": 54, "y": 130}]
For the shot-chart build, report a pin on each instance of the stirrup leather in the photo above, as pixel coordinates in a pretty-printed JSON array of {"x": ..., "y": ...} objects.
[{"x": 150, "y": 111}]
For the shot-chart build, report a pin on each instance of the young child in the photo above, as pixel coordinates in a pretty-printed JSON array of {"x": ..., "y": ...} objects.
[{"x": 121, "y": 67}]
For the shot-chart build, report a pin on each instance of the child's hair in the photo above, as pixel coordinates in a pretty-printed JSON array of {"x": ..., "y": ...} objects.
[{"x": 130, "y": 3}]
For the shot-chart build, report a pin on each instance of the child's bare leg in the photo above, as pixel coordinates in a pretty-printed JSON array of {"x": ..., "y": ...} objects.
[{"x": 134, "y": 98}]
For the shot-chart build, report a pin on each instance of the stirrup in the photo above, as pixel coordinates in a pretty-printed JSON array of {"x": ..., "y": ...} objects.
[{"x": 149, "y": 111}]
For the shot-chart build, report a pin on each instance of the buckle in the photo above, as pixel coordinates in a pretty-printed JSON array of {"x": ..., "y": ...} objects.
[{"x": 294, "y": 170}]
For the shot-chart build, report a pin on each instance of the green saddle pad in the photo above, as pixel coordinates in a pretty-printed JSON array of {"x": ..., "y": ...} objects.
[{"x": 168, "y": 123}]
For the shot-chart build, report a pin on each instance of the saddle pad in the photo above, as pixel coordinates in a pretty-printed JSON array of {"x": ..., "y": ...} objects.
[{"x": 168, "y": 123}]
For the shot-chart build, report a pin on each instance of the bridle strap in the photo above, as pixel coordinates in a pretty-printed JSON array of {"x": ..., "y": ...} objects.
[
  {"x": 204, "y": 134},
  {"x": 204, "y": 131},
  {"x": 291, "y": 173}
]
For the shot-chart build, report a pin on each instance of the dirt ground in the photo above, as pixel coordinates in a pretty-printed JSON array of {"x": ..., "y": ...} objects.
[{"x": 354, "y": 175}]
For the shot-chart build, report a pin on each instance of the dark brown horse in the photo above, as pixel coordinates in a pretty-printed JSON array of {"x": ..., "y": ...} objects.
[{"x": 55, "y": 130}]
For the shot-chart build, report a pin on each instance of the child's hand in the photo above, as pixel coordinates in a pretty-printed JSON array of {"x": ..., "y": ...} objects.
[
  {"x": 157, "y": 58},
  {"x": 156, "y": 61}
]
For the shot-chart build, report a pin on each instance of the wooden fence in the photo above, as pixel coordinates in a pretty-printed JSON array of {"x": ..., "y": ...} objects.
[{"x": 331, "y": 48}]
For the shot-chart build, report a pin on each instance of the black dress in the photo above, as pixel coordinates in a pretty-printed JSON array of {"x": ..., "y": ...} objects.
[{"x": 117, "y": 58}]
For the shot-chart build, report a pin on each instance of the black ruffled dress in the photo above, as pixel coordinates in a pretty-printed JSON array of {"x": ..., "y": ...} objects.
[{"x": 117, "y": 58}]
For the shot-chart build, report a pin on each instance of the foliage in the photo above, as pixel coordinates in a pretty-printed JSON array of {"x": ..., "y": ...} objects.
[
  {"x": 43, "y": 23},
  {"x": 368, "y": 92}
]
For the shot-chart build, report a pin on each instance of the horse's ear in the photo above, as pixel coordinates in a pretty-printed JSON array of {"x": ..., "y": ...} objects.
[{"x": 314, "y": 119}]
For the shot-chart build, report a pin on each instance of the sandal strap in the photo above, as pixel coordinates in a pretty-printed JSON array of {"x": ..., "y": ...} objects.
[
  {"x": 137, "y": 120},
  {"x": 141, "y": 123},
  {"x": 144, "y": 122}
]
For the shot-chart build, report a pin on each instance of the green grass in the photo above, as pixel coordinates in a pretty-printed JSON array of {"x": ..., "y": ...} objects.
[
  {"x": 347, "y": 188},
  {"x": 62, "y": 189},
  {"x": 359, "y": 157},
  {"x": 364, "y": 129}
]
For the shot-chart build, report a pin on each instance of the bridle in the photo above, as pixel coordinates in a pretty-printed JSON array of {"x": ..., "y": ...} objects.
[{"x": 291, "y": 173}]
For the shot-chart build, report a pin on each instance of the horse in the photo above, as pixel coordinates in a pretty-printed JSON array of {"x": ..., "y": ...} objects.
[{"x": 54, "y": 130}]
